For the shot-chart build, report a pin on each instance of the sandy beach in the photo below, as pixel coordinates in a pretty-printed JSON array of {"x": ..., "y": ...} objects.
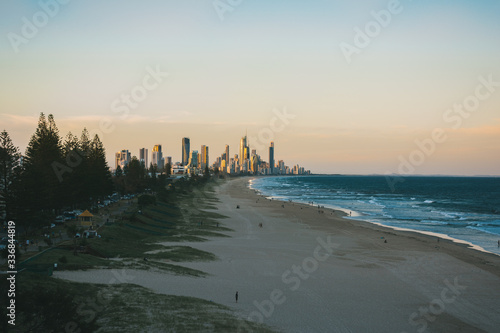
[{"x": 310, "y": 270}]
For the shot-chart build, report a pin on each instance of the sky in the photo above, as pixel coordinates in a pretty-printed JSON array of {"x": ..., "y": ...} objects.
[{"x": 351, "y": 87}]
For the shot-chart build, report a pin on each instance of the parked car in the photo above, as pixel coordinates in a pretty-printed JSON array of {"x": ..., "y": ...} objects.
[
  {"x": 90, "y": 233},
  {"x": 69, "y": 216}
]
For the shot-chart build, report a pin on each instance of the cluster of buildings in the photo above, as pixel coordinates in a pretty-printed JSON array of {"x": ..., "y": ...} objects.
[
  {"x": 196, "y": 162},
  {"x": 248, "y": 161}
]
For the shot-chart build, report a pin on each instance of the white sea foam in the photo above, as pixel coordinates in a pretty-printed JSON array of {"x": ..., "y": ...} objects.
[
  {"x": 483, "y": 230},
  {"x": 411, "y": 213}
]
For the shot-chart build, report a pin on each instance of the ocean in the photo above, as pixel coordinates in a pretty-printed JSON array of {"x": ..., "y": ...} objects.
[{"x": 463, "y": 208}]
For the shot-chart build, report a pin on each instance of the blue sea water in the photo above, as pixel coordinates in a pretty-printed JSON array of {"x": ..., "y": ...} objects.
[{"x": 464, "y": 208}]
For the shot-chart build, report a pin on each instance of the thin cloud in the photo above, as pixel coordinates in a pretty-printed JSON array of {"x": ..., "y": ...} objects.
[{"x": 13, "y": 119}]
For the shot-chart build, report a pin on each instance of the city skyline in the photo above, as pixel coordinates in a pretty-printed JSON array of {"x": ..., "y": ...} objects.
[
  {"x": 199, "y": 160},
  {"x": 370, "y": 87}
]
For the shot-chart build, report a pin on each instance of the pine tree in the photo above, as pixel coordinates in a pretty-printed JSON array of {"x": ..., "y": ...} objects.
[
  {"x": 41, "y": 182},
  {"x": 9, "y": 174},
  {"x": 153, "y": 180},
  {"x": 134, "y": 178},
  {"x": 85, "y": 144},
  {"x": 73, "y": 181},
  {"x": 118, "y": 180},
  {"x": 84, "y": 171},
  {"x": 118, "y": 171},
  {"x": 100, "y": 181}
]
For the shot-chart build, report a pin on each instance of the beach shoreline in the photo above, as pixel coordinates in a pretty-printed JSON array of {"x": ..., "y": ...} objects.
[
  {"x": 412, "y": 233},
  {"x": 297, "y": 269},
  {"x": 355, "y": 215}
]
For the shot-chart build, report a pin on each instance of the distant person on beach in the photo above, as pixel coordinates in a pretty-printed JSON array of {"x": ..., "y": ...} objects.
[{"x": 236, "y": 296}]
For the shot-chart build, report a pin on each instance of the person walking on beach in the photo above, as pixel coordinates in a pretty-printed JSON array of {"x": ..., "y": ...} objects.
[{"x": 236, "y": 296}]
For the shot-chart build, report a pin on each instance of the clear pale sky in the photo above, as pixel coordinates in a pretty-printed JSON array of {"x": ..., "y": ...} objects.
[{"x": 227, "y": 76}]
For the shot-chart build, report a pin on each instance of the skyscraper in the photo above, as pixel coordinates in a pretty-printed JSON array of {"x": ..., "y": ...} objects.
[
  {"x": 122, "y": 158},
  {"x": 271, "y": 157},
  {"x": 204, "y": 156},
  {"x": 168, "y": 163},
  {"x": 193, "y": 160},
  {"x": 118, "y": 157},
  {"x": 157, "y": 157},
  {"x": 143, "y": 156},
  {"x": 227, "y": 154},
  {"x": 243, "y": 143},
  {"x": 244, "y": 151},
  {"x": 186, "y": 148}
]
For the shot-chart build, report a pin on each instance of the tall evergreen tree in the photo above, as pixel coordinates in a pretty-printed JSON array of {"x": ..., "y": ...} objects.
[
  {"x": 85, "y": 144},
  {"x": 70, "y": 143},
  {"x": 100, "y": 182},
  {"x": 118, "y": 171},
  {"x": 9, "y": 175},
  {"x": 73, "y": 158},
  {"x": 118, "y": 180},
  {"x": 84, "y": 170},
  {"x": 134, "y": 178},
  {"x": 153, "y": 180},
  {"x": 40, "y": 180}
]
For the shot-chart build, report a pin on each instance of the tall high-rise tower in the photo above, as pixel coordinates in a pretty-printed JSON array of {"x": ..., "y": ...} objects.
[
  {"x": 271, "y": 157},
  {"x": 193, "y": 159},
  {"x": 244, "y": 151},
  {"x": 143, "y": 157},
  {"x": 122, "y": 158},
  {"x": 227, "y": 154},
  {"x": 158, "y": 157},
  {"x": 204, "y": 156},
  {"x": 243, "y": 143},
  {"x": 186, "y": 148}
]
